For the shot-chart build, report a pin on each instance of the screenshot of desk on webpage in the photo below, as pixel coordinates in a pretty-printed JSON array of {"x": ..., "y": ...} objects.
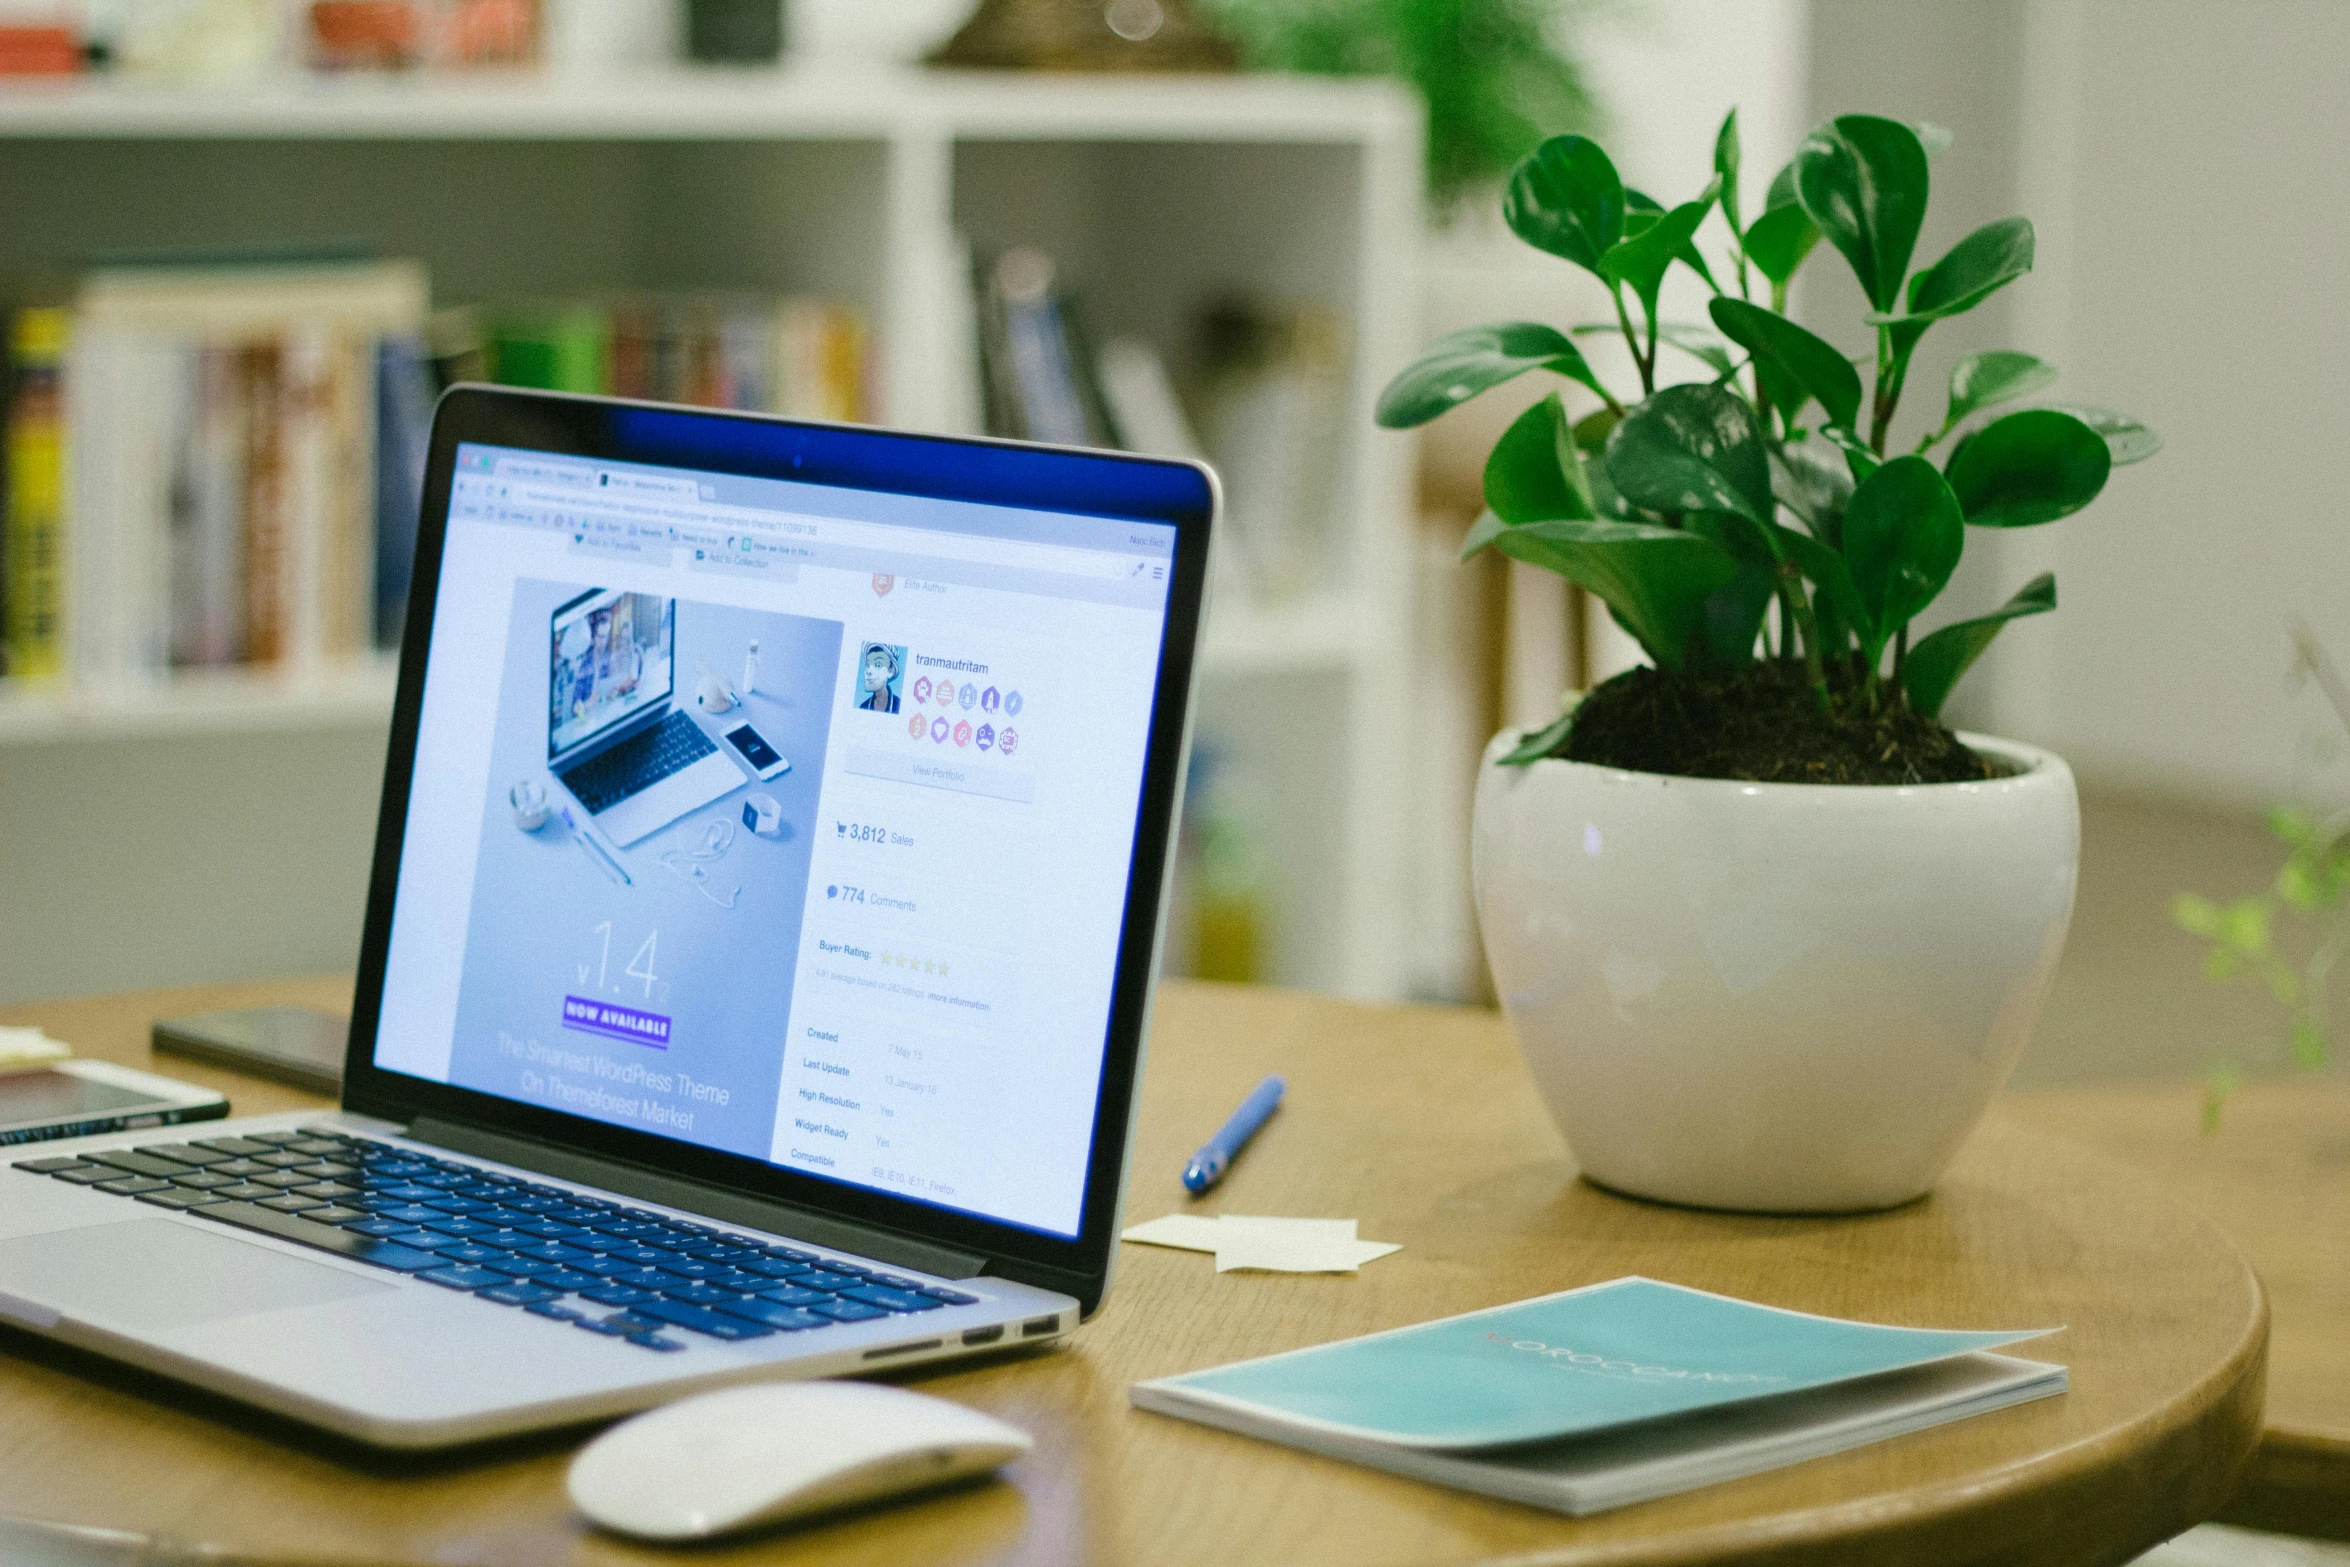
[{"x": 872, "y": 941}]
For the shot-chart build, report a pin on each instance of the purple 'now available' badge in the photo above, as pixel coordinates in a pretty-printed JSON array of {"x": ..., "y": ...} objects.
[{"x": 616, "y": 1022}]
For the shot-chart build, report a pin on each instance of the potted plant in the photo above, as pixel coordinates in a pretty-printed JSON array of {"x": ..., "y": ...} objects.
[{"x": 1769, "y": 934}]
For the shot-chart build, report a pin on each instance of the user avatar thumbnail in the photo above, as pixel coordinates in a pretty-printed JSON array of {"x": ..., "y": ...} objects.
[{"x": 881, "y": 673}]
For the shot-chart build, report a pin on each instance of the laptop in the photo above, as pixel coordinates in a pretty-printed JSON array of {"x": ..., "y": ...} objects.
[
  {"x": 830, "y": 1073},
  {"x": 633, "y": 760}
]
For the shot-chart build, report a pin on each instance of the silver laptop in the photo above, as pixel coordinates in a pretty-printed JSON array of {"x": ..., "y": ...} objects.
[
  {"x": 828, "y": 1072},
  {"x": 616, "y": 739}
]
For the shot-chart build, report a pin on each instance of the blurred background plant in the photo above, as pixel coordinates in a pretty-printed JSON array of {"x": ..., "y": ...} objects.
[
  {"x": 2313, "y": 889},
  {"x": 1498, "y": 75}
]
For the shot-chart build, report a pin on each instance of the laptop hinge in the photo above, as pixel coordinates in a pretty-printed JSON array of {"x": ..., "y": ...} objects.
[{"x": 758, "y": 1213}]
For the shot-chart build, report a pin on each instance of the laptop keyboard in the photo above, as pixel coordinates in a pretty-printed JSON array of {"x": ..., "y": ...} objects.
[
  {"x": 627, "y": 1273},
  {"x": 638, "y": 763}
]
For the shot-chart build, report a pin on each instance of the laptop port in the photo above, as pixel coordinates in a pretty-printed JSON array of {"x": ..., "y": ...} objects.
[
  {"x": 1038, "y": 1327},
  {"x": 983, "y": 1335},
  {"x": 901, "y": 1349}
]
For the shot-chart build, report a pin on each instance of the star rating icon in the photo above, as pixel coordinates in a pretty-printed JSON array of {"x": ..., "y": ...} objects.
[{"x": 918, "y": 965}]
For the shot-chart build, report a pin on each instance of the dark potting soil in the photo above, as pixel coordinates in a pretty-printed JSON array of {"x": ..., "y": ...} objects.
[{"x": 1761, "y": 723}]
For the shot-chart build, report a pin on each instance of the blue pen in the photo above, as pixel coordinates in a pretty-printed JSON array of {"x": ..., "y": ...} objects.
[{"x": 1208, "y": 1165}]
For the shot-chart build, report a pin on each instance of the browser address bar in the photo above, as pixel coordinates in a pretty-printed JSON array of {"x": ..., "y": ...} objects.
[{"x": 795, "y": 527}]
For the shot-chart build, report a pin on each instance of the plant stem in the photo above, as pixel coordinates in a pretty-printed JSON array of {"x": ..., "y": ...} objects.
[
  {"x": 1883, "y": 396},
  {"x": 1647, "y": 367},
  {"x": 1791, "y": 586}
]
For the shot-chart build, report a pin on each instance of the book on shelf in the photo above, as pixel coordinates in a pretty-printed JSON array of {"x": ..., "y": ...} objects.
[
  {"x": 1607, "y": 1395},
  {"x": 220, "y": 429}
]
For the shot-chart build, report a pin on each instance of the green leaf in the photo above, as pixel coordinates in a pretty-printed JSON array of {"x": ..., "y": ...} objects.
[
  {"x": 2126, "y": 440},
  {"x": 1642, "y": 210},
  {"x": 1528, "y": 477},
  {"x": 1857, "y": 455},
  {"x": 1591, "y": 431},
  {"x": 1698, "y": 343},
  {"x": 1779, "y": 241},
  {"x": 1536, "y": 746},
  {"x": 1863, "y": 181},
  {"x": 1811, "y": 483},
  {"x": 1566, "y": 197},
  {"x": 2029, "y": 467},
  {"x": 1980, "y": 380},
  {"x": 1937, "y": 660},
  {"x": 1733, "y": 613},
  {"x": 2196, "y": 916},
  {"x": 1655, "y": 579},
  {"x": 1459, "y": 365},
  {"x": 1837, "y": 605},
  {"x": 1639, "y": 261},
  {"x": 1482, "y": 532},
  {"x": 1810, "y": 362},
  {"x": 2309, "y": 1043},
  {"x": 1726, "y": 167},
  {"x": 1936, "y": 139},
  {"x": 1902, "y": 537},
  {"x": 1692, "y": 448},
  {"x": 1978, "y": 266},
  {"x": 1782, "y": 191},
  {"x": 2243, "y": 926}
]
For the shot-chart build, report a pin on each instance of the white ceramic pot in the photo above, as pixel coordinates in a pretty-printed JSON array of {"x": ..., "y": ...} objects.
[{"x": 1775, "y": 997}]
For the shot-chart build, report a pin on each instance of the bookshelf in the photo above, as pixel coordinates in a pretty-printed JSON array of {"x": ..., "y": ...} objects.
[{"x": 856, "y": 181}]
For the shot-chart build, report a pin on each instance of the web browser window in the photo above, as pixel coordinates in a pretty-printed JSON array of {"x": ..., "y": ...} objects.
[{"x": 781, "y": 819}]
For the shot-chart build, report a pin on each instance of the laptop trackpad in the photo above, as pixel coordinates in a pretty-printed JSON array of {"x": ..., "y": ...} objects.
[{"x": 153, "y": 1273}]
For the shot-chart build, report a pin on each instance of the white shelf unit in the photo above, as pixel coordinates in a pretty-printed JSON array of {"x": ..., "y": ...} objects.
[{"x": 865, "y": 183}]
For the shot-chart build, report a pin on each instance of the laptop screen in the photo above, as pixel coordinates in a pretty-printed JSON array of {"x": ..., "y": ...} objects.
[
  {"x": 780, "y": 819},
  {"x": 610, "y": 656}
]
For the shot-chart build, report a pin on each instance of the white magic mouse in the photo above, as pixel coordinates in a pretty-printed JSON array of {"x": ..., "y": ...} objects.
[{"x": 746, "y": 1456}]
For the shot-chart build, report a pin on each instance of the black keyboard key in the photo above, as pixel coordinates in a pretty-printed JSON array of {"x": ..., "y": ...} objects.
[
  {"x": 604, "y": 1267},
  {"x": 520, "y": 1267},
  {"x": 793, "y": 1295},
  {"x": 203, "y": 1181},
  {"x": 280, "y": 1159},
  {"x": 710, "y": 1323},
  {"x": 275, "y": 1139},
  {"x": 290, "y": 1202},
  {"x": 51, "y": 1166},
  {"x": 281, "y": 1180},
  {"x": 519, "y": 1294},
  {"x": 772, "y": 1267},
  {"x": 383, "y": 1227},
  {"x": 655, "y": 1341},
  {"x": 244, "y": 1191},
  {"x": 405, "y": 1191},
  {"x": 458, "y": 1224},
  {"x": 773, "y": 1314},
  {"x": 329, "y": 1190},
  {"x": 187, "y": 1153},
  {"x": 471, "y": 1252},
  {"x": 131, "y": 1162},
  {"x": 455, "y": 1204},
  {"x": 419, "y": 1240},
  {"x": 891, "y": 1300},
  {"x": 950, "y": 1297},
  {"x": 463, "y": 1278},
  {"x": 235, "y": 1147},
  {"x": 406, "y": 1212},
  {"x": 616, "y": 1295},
  {"x": 334, "y": 1213},
  {"x": 131, "y": 1185},
  {"x": 173, "y": 1197},
  {"x": 324, "y": 1237},
  {"x": 703, "y": 1295},
  {"x": 327, "y": 1170},
  {"x": 847, "y": 1310},
  {"x": 551, "y": 1251},
  {"x": 87, "y": 1174},
  {"x": 238, "y": 1167},
  {"x": 547, "y": 1308},
  {"x": 641, "y": 1256},
  {"x": 565, "y": 1279},
  {"x": 820, "y": 1280},
  {"x": 650, "y": 1279},
  {"x": 320, "y": 1146},
  {"x": 693, "y": 1267}
]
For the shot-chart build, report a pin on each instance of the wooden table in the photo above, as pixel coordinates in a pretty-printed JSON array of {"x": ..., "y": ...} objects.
[
  {"x": 2276, "y": 1177},
  {"x": 1422, "y": 1124}
]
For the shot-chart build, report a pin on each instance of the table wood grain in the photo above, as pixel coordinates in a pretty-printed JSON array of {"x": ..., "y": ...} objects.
[
  {"x": 1422, "y": 1124},
  {"x": 2275, "y": 1176}
]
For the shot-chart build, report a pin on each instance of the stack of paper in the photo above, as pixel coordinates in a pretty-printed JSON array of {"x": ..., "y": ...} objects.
[
  {"x": 1264, "y": 1244},
  {"x": 1610, "y": 1394}
]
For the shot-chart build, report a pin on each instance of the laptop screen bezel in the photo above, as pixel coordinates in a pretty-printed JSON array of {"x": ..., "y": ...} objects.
[{"x": 1111, "y": 485}]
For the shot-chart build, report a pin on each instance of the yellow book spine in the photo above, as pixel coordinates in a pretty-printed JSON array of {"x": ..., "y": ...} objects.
[{"x": 33, "y": 538}]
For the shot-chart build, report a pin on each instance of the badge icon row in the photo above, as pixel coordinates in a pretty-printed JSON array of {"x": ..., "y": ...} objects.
[
  {"x": 985, "y": 736},
  {"x": 967, "y": 695}
]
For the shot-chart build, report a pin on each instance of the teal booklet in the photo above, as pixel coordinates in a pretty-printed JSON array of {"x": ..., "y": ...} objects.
[{"x": 1608, "y": 1394}]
